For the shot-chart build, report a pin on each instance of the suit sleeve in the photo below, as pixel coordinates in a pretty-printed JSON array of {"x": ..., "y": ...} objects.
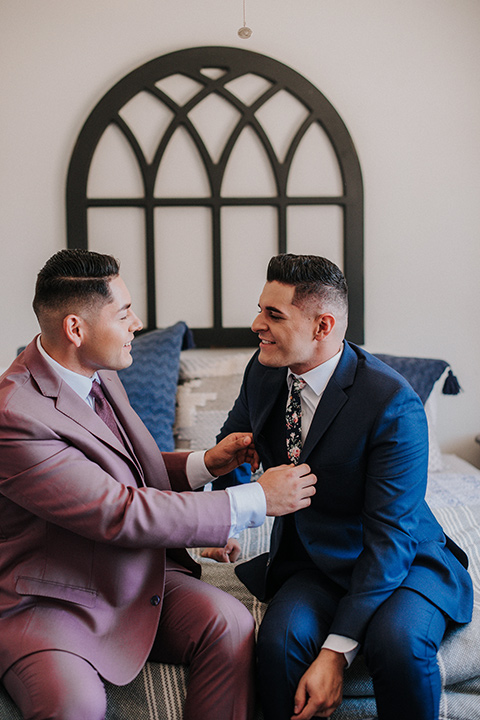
[
  {"x": 395, "y": 486},
  {"x": 53, "y": 479}
]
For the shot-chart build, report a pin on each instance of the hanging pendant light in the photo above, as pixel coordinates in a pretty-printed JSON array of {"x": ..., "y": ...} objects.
[{"x": 244, "y": 32}]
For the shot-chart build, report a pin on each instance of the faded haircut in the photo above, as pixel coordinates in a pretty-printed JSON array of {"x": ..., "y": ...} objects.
[
  {"x": 74, "y": 278},
  {"x": 316, "y": 280}
]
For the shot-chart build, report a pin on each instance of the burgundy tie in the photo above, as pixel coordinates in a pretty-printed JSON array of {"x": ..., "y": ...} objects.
[{"x": 103, "y": 409}]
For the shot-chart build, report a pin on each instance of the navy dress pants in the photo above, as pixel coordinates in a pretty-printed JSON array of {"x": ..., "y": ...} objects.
[{"x": 400, "y": 648}]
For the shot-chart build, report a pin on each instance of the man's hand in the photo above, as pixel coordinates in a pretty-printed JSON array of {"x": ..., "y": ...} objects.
[
  {"x": 288, "y": 488},
  {"x": 228, "y": 554},
  {"x": 319, "y": 691},
  {"x": 232, "y": 451}
]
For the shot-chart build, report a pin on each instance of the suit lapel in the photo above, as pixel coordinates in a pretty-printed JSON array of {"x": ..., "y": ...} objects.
[
  {"x": 332, "y": 400},
  {"x": 273, "y": 383},
  {"x": 67, "y": 401},
  {"x": 72, "y": 406},
  {"x": 265, "y": 397}
]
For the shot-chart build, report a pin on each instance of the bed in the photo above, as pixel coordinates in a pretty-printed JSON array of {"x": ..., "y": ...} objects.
[{"x": 185, "y": 378}]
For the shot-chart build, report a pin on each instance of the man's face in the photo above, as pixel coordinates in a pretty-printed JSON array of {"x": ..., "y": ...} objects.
[
  {"x": 287, "y": 332},
  {"x": 108, "y": 332}
]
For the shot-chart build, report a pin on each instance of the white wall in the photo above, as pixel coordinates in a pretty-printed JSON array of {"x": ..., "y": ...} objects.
[{"x": 404, "y": 77}]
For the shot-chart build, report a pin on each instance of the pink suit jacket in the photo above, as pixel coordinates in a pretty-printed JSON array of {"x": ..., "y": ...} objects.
[{"x": 84, "y": 527}]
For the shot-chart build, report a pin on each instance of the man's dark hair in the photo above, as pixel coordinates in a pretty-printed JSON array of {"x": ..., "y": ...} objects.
[
  {"x": 72, "y": 277},
  {"x": 314, "y": 277}
]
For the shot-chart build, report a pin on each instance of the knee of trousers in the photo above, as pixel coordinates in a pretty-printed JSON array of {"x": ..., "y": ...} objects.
[
  {"x": 230, "y": 629},
  {"x": 390, "y": 647},
  {"x": 40, "y": 696},
  {"x": 293, "y": 642},
  {"x": 81, "y": 705}
]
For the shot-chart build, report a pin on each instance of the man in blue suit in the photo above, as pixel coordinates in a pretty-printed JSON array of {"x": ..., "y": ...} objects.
[{"x": 367, "y": 566}]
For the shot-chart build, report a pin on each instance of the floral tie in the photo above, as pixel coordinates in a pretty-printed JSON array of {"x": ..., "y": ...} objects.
[{"x": 293, "y": 416}]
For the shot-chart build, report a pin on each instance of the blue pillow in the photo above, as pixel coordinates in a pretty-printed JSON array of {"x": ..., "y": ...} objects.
[
  {"x": 422, "y": 374},
  {"x": 151, "y": 380}
]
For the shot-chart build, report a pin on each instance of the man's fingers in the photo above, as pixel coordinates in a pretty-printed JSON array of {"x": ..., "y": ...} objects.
[
  {"x": 233, "y": 551},
  {"x": 306, "y": 485},
  {"x": 244, "y": 443},
  {"x": 288, "y": 488},
  {"x": 300, "y": 698},
  {"x": 230, "y": 452},
  {"x": 241, "y": 439},
  {"x": 303, "y": 469},
  {"x": 218, "y": 554},
  {"x": 308, "y": 481}
]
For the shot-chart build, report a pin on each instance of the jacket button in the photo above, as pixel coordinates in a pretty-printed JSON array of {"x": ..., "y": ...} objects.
[{"x": 155, "y": 600}]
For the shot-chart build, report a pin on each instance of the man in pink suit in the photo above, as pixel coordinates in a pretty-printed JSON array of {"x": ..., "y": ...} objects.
[{"x": 93, "y": 519}]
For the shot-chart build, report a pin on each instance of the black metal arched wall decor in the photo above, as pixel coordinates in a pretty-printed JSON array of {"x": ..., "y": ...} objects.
[{"x": 231, "y": 64}]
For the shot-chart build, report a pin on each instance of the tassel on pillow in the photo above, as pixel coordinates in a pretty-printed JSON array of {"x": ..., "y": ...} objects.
[{"x": 451, "y": 385}]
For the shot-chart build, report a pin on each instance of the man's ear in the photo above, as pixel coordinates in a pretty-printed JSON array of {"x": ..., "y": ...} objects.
[
  {"x": 324, "y": 326},
  {"x": 73, "y": 329}
]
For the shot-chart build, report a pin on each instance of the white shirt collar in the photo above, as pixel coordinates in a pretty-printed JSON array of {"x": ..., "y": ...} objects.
[
  {"x": 317, "y": 378},
  {"x": 80, "y": 383}
]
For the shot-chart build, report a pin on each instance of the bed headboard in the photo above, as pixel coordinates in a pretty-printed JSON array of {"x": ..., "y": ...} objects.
[{"x": 201, "y": 165}]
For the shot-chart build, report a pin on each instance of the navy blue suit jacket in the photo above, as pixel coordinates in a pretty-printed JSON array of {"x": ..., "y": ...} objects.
[{"x": 368, "y": 528}]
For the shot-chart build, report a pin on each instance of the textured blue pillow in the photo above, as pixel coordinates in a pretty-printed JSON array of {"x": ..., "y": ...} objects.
[
  {"x": 422, "y": 374},
  {"x": 151, "y": 380}
]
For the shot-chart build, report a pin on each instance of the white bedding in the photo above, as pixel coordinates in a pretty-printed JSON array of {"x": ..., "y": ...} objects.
[{"x": 456, "y": 484}]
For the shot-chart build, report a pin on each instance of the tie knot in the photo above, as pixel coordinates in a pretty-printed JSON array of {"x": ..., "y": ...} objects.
[
  {"x": 298, "y": 383},
  {"x": 96, "y": 391}
]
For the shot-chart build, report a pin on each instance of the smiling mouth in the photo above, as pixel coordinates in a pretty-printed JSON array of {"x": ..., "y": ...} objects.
[{"x": 266, "y": 342}]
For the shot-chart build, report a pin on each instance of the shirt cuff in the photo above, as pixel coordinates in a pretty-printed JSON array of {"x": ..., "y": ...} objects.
[
  {"x": 341, "y": 644},
  {"x": 196, "y": 470},
  {"x": 248, "y": 507}
]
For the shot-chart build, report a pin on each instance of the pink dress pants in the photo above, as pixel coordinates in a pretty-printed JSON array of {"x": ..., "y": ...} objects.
[{"x": 200, "y": 626}]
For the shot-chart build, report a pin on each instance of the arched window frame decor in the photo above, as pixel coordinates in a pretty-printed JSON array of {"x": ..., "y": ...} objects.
[{"x": 234, "y": 63}]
